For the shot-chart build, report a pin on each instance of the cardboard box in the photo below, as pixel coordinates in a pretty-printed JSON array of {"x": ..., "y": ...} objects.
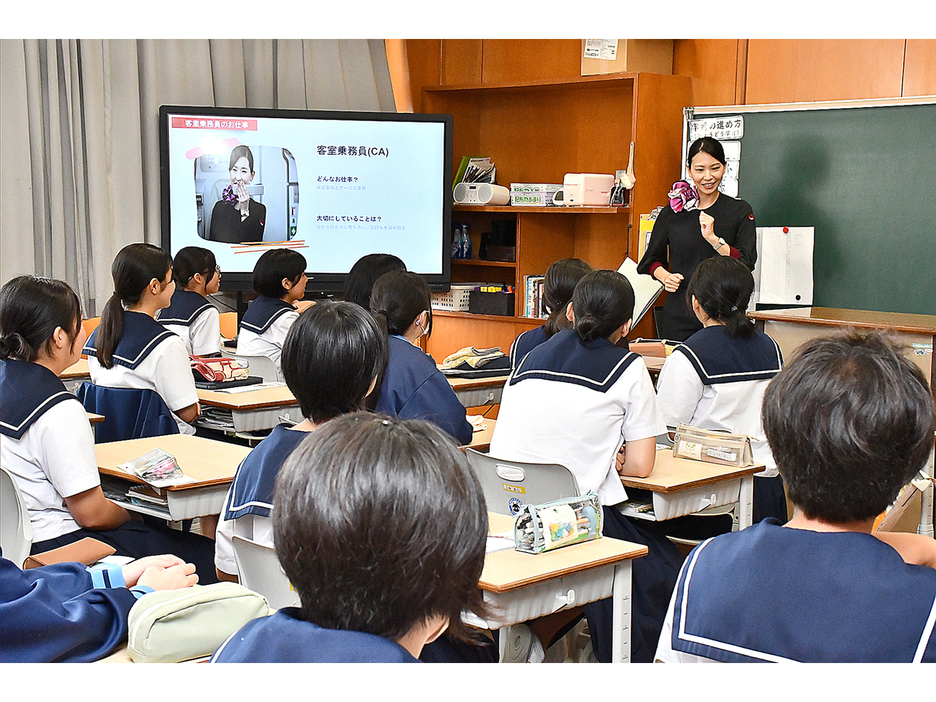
[{"x": 633, "y": 56}]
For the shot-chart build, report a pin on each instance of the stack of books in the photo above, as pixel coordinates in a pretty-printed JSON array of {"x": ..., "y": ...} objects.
[{"x": 533, "y": 296}]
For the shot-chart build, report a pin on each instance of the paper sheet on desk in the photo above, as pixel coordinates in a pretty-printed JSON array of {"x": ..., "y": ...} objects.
[
  {"x": 477, "y": 422},
  {"x": 251, "y": 388},
  {"x": 783, "y": 273},
  {"x": 499, "y": 542}
]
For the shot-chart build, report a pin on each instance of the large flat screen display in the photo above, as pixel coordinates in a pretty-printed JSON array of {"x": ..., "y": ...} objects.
[{"x": 334, "y": 186}]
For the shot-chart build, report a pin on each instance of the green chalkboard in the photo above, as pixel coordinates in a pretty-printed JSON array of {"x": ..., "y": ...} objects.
[{"x": 862, "y": 176}]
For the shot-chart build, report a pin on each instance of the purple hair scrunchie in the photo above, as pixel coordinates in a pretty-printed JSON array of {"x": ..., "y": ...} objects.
[{"x": 683, "y": 196}]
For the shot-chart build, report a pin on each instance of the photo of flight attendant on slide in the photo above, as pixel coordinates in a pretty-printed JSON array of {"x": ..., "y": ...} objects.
[{"x": 243, "y": 197}]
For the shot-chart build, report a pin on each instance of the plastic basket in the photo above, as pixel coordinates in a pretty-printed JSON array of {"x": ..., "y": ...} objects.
[{"x": 456, "y": 300}]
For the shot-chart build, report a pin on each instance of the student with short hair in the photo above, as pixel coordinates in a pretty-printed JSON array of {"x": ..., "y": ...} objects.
[
  {"x": 68, "y": 612},
  {"x": 130, "y": 349},
  {"x": 279, "y": 280},
  {"x": 412, "y": 387},
  {"x": 716, "y": 379},
  {"x": 190, "y": 314},
  {"x": 331, "y": 358},
  {"x": 850, "y": 421},
  {"x": 380, "y": 525},
  {"x": 365, "y": 272},
  {"x": 559, "y": 282},
  {"x": 575, "y": 400},
  {"x": 46, "y": 440}
]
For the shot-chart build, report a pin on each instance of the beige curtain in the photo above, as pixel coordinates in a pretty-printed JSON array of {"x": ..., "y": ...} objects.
[{"x": 79, "y": 140}]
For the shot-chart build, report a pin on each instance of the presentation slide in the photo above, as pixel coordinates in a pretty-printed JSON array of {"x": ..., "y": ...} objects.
[{"x": 333, "y": 189}]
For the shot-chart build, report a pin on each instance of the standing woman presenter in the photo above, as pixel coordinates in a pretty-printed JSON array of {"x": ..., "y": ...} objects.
[{"x": 699, "y": 222}]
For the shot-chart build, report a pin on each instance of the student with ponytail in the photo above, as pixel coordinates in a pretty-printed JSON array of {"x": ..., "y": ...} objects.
[
  {"x": 560, "y": 280},
  {"x": 412, "y": 387},
  {"x": 716, "y": 379},
  {"x": 130, "y": 349},
  {"x": 46, "y": 441},
  {"x": 575, "y": 400},
  {"x": 190, "y": 314}
]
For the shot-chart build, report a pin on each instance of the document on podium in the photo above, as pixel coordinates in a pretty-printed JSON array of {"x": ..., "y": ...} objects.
[
  {"x": 783, "y": 273},
  {"x": 646, "y": 288}
]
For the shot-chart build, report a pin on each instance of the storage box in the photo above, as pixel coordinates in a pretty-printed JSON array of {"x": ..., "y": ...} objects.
[
  {"x": 491, "y": 303},
  {"x": 533, "y": 194},
  {"x": 455, "y": 300},
  {"x": 632, "y": 56}
]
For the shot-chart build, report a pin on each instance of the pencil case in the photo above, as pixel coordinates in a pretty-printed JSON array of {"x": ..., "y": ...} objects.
[
  {"x": 171, "y": 626},
  {"x": 712, "y": 446},
  {"x": 571, "y": 520}
]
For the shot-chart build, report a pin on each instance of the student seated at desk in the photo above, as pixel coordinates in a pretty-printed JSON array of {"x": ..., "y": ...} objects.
[
  {"x": 716, "y": 379},
  {"x": 279, "y": 280},
  {"x": 558, "y": 284},
  {"x": 190, "y": 314},
  {"x": 68, "y": 612},
  {"x": 331, "y": 358},
  {"x": 46, "y": 441},
  {"x": 365, "y": 272},
  {"x": 574, "y": 400},
  {"x": 380, "y": 525},
  {"x": 130, "y": 349},
  {"x": 850, "y": 421},
  {"x": 412, "y": 387}
]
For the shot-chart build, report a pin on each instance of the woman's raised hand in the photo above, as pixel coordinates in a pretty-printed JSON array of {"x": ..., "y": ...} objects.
[{"x": 707, "y": 223}]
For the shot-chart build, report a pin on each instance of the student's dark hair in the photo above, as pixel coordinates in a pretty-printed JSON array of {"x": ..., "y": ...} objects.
[
  {"x": 31, "y": 308},
  {"x": 708, "y": 145},
  {"x": 190, "y": 261},
  {"x": 602, "y": 301},
  {"x": 561, "y": 278},
  {"x": 272, "y": 267},
  {"x": 398, "y": 297},
  {"x": 723, "y": 287},
  {"x": 849, "y": 421},
  {"x": 134, "y": 267},
  {"x": 365, "y": 272},
  {"x": 239, "y": 152},
  {"x": 379, "y": 524},
  {"x": 332, "y": 353}
]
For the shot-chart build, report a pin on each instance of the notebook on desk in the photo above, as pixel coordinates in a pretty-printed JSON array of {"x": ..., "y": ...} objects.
[{"x": 646, "y": 288}]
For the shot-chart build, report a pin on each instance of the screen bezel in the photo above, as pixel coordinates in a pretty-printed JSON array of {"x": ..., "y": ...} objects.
[{"x": 319, "y": 283}]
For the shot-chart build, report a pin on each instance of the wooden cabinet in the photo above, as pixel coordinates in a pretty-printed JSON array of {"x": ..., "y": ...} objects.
[{"x": 536, "y": 132}]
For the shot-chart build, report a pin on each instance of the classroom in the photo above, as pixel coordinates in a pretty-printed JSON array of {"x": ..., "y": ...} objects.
[{"x": 79, "y": 118}]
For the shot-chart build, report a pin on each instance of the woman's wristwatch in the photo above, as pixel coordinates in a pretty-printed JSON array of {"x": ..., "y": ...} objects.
[{"x": 721, "y": 242}]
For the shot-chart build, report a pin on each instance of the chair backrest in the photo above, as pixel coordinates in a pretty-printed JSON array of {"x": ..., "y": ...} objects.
[
  {"x": 261, "y": 366},
  {"x": 259, "y": 570},
  {"x": 16, "y": 532},
  {"x": 129, "y": 413},
  {"x": 509, "y": 484},
  {"x": 90, "y": 324}
]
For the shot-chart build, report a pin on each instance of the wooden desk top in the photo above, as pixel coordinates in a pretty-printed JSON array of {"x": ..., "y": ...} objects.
[
  {"x": 675, "y": 474},
  {"x": 475, "y": 383},
  {"x": 862, "y": 319},
  {"x": 481, "y": 440},
  {"x": 208, "y": 461},
  {"x": 95, "y": 418},
  {"x": 78, "y": 370},
  {"x": 508, "y": 569},
  {"x": 264, "y": 398}
]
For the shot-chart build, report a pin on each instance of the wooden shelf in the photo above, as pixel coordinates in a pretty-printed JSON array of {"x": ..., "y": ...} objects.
[
  {"x": 534, "y": 321},
  {"x": 607, "y": 79},
  {"x": 526, "y": 209}
]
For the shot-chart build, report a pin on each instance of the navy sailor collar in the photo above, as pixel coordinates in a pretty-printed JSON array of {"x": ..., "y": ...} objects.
[
  {"x": 184, "y": 308},
  {"x": 141, "y": 334},
  {"x": 262, "y": 312},
  {"x": 252, "y": 490},
  {"x": 720, "y": 359},
  {"x": 29, "y": 391},
  {"x": 566, "y": 358}
]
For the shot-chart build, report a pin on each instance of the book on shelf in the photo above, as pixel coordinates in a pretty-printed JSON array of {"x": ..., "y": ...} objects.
[{"x": 533, "y": 305}]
